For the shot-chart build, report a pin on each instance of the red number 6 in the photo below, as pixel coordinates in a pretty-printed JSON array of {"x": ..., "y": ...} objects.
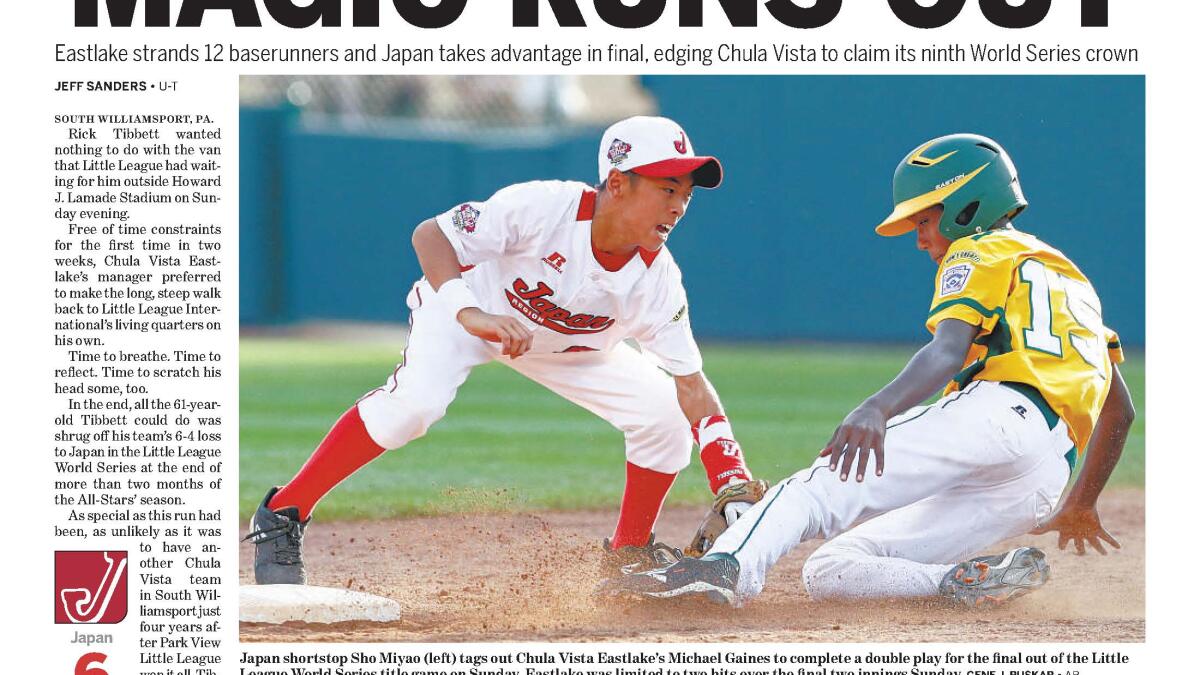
[{"x": 88, "y": 664}]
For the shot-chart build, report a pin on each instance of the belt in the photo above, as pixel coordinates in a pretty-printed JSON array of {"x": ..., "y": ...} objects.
[{"x": 1052, "y": 419}]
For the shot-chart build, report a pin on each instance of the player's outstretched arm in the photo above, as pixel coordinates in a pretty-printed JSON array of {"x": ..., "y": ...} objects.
[
  {"x": 1077, "y": 519},
  {"x": 719, "y": 451},
  {"x": 729, "y": 478},
  {"x": 440, "y": 264},
  {"x": 862, "y": 432},
  {"x": 697, "y": 397}
]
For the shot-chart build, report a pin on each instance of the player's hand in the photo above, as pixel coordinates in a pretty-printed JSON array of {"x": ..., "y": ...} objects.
[
  {"x": 1078, "y": 524},
  {"x": 731, "y": 503},
  {"x": 514, "y": 338},
  {"x": 859, "y": 434}
]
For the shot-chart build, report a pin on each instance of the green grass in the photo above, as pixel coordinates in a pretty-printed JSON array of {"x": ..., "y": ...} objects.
[{"x": 506, "y": 443}]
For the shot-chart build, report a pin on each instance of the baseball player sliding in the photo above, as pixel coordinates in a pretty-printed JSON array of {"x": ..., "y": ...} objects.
[
  {"x": 551, "y": 278},
  {"x": 1032, "y": 377}
]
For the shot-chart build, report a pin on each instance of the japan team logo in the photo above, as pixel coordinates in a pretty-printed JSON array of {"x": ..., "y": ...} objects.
[
  {"x": 954, "y": 279},
  {"x": 536, "y": 305},
  {"x": 619, "y": 151},
  {"x": 465, "y": 217},
  {"x": 681, "y": 144},
  {"x": 91, "y": 586}
]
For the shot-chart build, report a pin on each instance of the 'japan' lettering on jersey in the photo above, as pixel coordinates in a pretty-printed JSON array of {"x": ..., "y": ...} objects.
[
  {"x": 527, "y": 252},
  {"x": 1040, "y": 323}
]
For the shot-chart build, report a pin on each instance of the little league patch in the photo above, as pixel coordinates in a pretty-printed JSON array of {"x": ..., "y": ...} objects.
[
  {"x": 619, "y": 151},
  {"x": 954, "y": 279},
  {"x": 465, "y": 218}
]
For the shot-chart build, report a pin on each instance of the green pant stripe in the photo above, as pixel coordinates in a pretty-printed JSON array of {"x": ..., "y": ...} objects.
[{"x": 766, "y": 508}]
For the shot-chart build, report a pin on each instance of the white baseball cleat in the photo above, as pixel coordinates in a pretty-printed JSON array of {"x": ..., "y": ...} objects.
[{"x": 994, "y": 580}]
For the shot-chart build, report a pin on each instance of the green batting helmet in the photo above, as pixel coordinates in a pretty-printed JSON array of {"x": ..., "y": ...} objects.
[{"x": 971, "y": 176}]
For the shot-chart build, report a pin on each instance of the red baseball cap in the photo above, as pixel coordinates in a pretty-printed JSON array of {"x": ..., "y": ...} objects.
[{"x": 657, "y": 147}]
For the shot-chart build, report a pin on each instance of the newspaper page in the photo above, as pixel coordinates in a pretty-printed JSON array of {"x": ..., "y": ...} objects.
[{"x": 561, "y": 337}]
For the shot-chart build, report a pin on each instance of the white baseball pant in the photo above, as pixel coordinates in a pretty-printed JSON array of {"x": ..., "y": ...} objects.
[
  {"x": 621, "y": 386},
  {"x": 962, "y": 474}
]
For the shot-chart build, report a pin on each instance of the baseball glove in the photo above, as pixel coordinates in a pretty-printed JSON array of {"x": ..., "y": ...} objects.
[{"x": 730, "y": 503}]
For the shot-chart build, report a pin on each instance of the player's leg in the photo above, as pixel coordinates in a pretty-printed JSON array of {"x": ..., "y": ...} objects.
[
  {"x": 967, "y": 438},
  {"x": 625, "y": 389},
  {"x": 436, "y": 361},
  {"x": 907, "y": 552}
]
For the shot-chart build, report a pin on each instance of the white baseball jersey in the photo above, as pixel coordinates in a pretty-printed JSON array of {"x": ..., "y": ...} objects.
[{"x": 527, "y": 252}]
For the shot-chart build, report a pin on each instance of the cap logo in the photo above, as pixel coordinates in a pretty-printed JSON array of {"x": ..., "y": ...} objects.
[
  {"x": 619, "y": 151},
  {"x": 681, "y": 144},
  {"x": 918, "y": 159}
]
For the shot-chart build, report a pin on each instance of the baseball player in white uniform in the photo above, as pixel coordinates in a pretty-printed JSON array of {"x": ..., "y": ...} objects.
[
  {"x": 1030, "y": 377},
  {"x": 551, "y": 278}
]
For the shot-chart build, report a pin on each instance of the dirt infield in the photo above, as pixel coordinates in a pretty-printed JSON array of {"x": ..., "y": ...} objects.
[{"x": 528, "y": 577}]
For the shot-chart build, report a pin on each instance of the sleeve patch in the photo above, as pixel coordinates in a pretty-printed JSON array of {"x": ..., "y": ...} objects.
[
  {"x": 954, "y": 279},
  {"x": 680, "y": 314},
  {"x": 465, "y": 218}
]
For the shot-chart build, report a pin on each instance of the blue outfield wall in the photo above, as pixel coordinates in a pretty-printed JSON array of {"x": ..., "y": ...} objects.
[{"x": 785, "y": 249}]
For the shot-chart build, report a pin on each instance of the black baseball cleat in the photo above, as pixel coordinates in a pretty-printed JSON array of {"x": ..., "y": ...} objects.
[
  {"x": 277, "y": 537},
  {"x": 713, "y": 577},
  {"x": 633, "y": 559},
  {"x": 994, "y": 580}
]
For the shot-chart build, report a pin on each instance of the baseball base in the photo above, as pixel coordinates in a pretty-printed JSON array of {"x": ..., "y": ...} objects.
[{"x": 312, "y": 604}]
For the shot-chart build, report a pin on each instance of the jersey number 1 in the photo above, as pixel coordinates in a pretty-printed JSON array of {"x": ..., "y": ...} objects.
[{"x": 1082, "y": 304}]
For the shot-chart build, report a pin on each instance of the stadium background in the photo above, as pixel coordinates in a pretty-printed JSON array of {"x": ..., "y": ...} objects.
[{"x": 800, "y": 309}]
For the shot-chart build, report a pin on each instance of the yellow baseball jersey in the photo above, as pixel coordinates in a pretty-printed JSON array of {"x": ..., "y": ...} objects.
[{"x": 1040, "y": 323}]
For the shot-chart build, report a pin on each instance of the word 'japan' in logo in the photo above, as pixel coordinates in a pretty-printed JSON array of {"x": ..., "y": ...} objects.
[
  {"x": 536, "y": 305},
  {"x": 91, "y": 586},
  {"x": 954, "y": 279},
  {"x": 464, "y": 218},
  {"x": 619, "y": 151}
]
